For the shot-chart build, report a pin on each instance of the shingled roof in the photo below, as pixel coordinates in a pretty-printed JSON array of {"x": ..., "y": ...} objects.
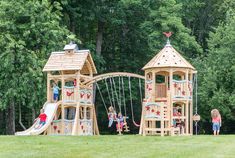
[
  {"x": 78, "y": 60},
  {"x": 168, "y": 57}
]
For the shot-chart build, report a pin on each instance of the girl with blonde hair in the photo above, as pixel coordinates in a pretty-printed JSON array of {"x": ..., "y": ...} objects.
[{"x": 216, "y": 121}]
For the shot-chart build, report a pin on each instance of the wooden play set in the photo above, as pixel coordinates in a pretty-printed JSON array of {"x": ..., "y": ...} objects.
[{"x": 167, "y": 107}]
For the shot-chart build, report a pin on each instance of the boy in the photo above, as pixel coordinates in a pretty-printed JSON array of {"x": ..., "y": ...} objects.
[
  {"x": 55, "y": 92},
  {"x": 42, "y": 118}
]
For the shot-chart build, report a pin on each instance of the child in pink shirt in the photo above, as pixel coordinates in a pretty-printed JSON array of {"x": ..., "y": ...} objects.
[{"x": 216, "y": 121}]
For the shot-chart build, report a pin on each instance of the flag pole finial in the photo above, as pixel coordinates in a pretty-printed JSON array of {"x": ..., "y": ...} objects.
[{"x": 168, "y": 35}]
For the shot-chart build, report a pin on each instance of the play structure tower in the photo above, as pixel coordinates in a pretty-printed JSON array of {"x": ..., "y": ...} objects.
[
  {"x": 168, "y": 104},
  {"x": 75, "y": 114}
]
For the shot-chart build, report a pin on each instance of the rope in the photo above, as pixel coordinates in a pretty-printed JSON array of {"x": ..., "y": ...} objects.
[
  {"x": 111, "y": 85},
  {"x": 106, "y": 84},
  {"x": 124, "y": 98},
  {"x": 115, "y": 93},
  {"x": 132, "y": 112},
  {"x": 196, "y": 106},
  {"x": 102, "y": 97},
  {"x": 119, "y": 90}
]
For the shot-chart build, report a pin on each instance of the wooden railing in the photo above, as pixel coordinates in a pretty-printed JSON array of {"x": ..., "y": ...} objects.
[
  {"x": 86, "y": 127},
  {"x": 56, "y": 127},
  {"x": 181, "y": 89},
  {"x": 68, "y": 94},
  {"x": 86, "y": 96},
  {"x": 155, "y": 110}
]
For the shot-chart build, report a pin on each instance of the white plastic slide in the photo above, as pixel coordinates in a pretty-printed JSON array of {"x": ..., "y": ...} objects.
[{"x": 50, "y": 110}]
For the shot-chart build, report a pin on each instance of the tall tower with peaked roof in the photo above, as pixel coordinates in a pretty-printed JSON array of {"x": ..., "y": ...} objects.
[{"x": 168, "y": 104}]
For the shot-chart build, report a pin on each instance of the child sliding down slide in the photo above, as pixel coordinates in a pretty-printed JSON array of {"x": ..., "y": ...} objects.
[{"x": 42, "y": 118}]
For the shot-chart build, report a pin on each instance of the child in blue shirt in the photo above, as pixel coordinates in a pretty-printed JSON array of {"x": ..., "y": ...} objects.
[{"x": 55, "y": 92}]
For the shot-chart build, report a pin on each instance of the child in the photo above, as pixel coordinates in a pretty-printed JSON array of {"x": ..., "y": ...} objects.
[
  {"x": 120, "y": 123},
  {"x": 55, "y": 92},
  {"x": 216, "y": 121},
  {"x": 111, "y": 115},
  {"x": 42, "y": 118}
]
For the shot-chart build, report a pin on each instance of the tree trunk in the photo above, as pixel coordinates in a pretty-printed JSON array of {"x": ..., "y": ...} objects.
[
  {"x": 1, "y": 122},
  {"x": 72, "y": 25},
  {"x": 20, "y": 118},
  {"x": 10, "y": 118},
  {"x": 33, "y": 114},
  {"x": 99, "y": 39}
]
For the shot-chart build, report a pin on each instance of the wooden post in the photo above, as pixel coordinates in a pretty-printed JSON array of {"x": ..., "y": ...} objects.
[
  {"x": 171, "y": 99},
  {"x": 191, "y": 106},
  {"x": 77, "y": 100},
  {"x": 95, "y": 123},
  {"x": 142, "y": 123},
  {"x": 144, "y": 126},
  {"x": 153, "y": 95},
  {"x": 62, "y": 105},
  {"x": 187, "y": 105},
  {"x": 142, "y": 120},
  {"x": 48, "y": 87},
  {"x": 162, "y": 121}
]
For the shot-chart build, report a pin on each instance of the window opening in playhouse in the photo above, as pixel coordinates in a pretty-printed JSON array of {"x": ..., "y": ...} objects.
[
  {"x": 55, "y": 72},
  {"x": 160, "y": 79},
  {"x": 88, "y": 113},
  {"x": 69, "y": 83},
  {"x": 177, "y": 77},
  {"x": 81, "y": 112},
  {"x": 149, "y": 76},
  {"x": 70, "y": 113}
]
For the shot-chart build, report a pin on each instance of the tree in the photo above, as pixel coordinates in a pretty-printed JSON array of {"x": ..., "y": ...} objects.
[
  {"x": 166, "y": 16},
  {"x": 27, "y": 37},
  {"x": 217, "y": 74}
]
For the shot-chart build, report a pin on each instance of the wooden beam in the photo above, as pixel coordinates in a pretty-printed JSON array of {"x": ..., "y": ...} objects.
[
  {"x": 191, "y": 107},
  {"x": 62, "y": 106},
  {"x": 187, "y": 104},
  {"x": 77, "y": 99},
  {"x": 171, "y": 98},
  {"x": 48, "y": 87},
  {"x": 113, "y": 74}
]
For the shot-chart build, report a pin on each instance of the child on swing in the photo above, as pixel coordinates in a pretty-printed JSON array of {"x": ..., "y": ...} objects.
[
  {"x": 120, "y": 123},
  {"x": 216, "y": 121},
  {"x": 111, "y": 115}
]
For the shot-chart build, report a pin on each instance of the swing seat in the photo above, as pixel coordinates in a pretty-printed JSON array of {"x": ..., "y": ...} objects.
[{"x": 126, "y": 128}]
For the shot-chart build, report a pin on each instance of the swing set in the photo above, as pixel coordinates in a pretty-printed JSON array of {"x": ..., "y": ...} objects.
[
  {"x": 117, "y": 98},
  {"x": 169, "y": 81}
]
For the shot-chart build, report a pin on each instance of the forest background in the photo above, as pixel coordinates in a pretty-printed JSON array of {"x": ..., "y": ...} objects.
[{"x": 123, "y": 35}]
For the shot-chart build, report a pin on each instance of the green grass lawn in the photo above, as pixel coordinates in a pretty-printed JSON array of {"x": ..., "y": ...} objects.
[{"x": 117, "y": 146}]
